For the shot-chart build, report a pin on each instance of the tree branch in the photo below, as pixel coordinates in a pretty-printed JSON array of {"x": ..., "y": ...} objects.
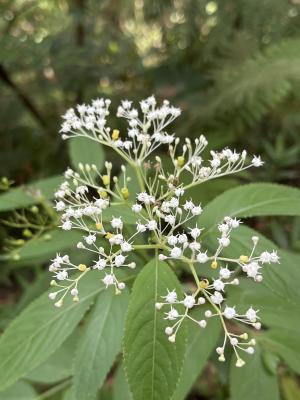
[{"x": 26, "y": 101}]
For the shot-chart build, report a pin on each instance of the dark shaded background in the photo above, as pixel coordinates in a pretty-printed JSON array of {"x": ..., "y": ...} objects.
[{"x": 233, "y": 66}]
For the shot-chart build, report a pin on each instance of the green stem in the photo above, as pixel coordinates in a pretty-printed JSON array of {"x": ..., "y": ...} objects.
[{"x": 147, "y": 246}]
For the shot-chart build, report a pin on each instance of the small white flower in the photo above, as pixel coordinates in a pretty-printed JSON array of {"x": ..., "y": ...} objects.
[
  {"x": 182, "y": 238},
  {"x": 229, "y": 312},
  {"x": 219, "y": 285},
  {"x": 90, "y": 239},
  {"x": 125, "y": 246},
  {"x": 176, "y": 252},
  {"x": 274, "y": 257},
  {"x": 74, "y": 292},
  {"x": 119, "y": 260},
  {"x": 172, "y": 240},
  {"x": 225, "y": 273},
  {"x": 235, "y": 223},
  {"x": 197, "y": 210},
  {"x": 152, "y": 225},
  {"x": 179, "y": 192},
  {"x": 108, "y": 280},
  {"x": 195, "y": 246},
  {"x": 251, "y": 315},
  {"x": 60, "y": 206},
  {"x": 202, "y": 258},
  {"x": 256, "y": 161},
  {"x": 100, "y": 264},
  {"x": 117, "y": 223},
  {"x": 140, "y": 227},
  {"x": 67, "y": 225},
  {"x": 137, "y": 208},
  {"x": 225, "y": 242},
  {"x": 217, "y": 298},
  {"x": 170, "y": 219},
  {"x": 188, "y": 206},
  {"x": 195, "y": 233},
  {"x": 189, "y": 301},
  {"x": 251, "y": 269},
  {"x": 202, "y": 323},
  {"x": 62, "y": 275},
  {"x": 172, "y": 314},
  {"x": 171, "y": 297},
  {"x": 174, "y": 202}
]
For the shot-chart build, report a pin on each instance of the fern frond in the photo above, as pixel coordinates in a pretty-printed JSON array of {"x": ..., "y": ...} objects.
[{"x": 252, "y": 88}]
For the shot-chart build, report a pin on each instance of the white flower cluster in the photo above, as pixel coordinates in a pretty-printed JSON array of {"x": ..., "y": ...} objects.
[{"x": 166, "y": 219}]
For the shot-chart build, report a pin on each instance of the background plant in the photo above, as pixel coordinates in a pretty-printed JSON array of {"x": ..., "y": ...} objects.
[{"x": 232, "y": 69}]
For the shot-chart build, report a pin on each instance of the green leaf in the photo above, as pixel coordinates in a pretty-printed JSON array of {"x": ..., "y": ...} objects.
[
  {"x": 252, "y": 381},
  {"x": 19, "y": 391},
  {"x": 59, "y": 365},
  {"x": 201, "y": 343},
  {"x": 46, "y": 245},
  {"x": 86, "y": 151},
  {"x": 40, "y": 330},
  {"x": 286, "y": 344},
  {"x": 124, "y": 211},
  {"x": 153, "y": 364},
  {"x": 99, "y": 344},
  {"x": 27, "y": 195},
  {"x": 120, "y": 388},
  {"x": 252, "y": 200}
]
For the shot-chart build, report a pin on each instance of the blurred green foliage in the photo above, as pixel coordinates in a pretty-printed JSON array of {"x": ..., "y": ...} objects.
[{"x": 232, "y": 65}]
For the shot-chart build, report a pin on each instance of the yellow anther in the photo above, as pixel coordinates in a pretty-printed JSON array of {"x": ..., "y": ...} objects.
[
  {"x": 75, "y": 299},
  {"x": 221, "y": 358},
  {"x": 125, "y": 193},
  {"x": 99, "y": 226},
  {"x": 53, "y": 283},
  {"x": 118, "y": 291},
  {"x": 204, "y": 283},
  {"x": 214, "y": 264},
  {"x": 106, "y": 180},
  {"x": 82, "y": 267},
  {"x": 109, "y": 235},
  {"x": 180, "y": 161},
  {"x": 102, "y": 194},
  {"x": 244, "y": 259},
  {"x": 115, "y": 134}
]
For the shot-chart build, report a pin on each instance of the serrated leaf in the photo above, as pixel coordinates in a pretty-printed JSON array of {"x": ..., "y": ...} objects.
[
  {"x": 40, "y": 329},
  {"x": 99, "y": 344},
  {"x": 286, "y": 344},
  {"x": 27, "y": 195},
  {"x": 252, "y": 200},
  {"x": 201, "y": 343},
  {"x": 153, "y": 364},
  {"x": 252, "y": 381},
  {"x": 59, "y": 365},
  {"x": 120, "y": 388},
  {"x": 86, "y": 151}
]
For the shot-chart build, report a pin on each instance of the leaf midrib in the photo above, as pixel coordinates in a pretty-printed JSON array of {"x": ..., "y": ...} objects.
[{"x": 154, "y": 329}]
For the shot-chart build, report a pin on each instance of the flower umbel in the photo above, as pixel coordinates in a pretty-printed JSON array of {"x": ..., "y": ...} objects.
[{"x": 166, "y": 219}]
